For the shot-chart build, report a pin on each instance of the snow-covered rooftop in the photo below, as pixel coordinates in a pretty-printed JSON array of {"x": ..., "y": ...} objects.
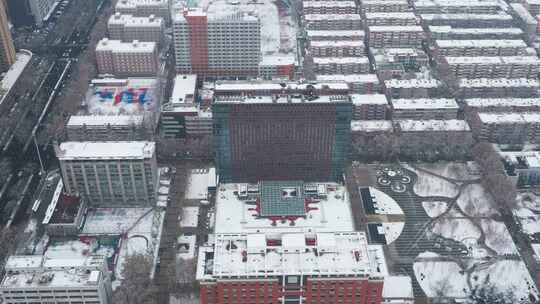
[
  {"x": 395, "y": 28},
  {"x": 371, "y": 126},
  {"x": 342, "y": 253},
  {"x": 337, "y": 43},
  {"x": 502, "y": 102},
  {"x": 509, "y": 118},
  {"x": 236, "y": 215},
  {"x": 349, "y": 78},
  {"x": 320, "y": 34},
  {"x": 15, "y": 70},
  {"x": 433, "y": 125},
  {"x": 132, "y": 21},
  {"x": 425, "y": 103},
  {"x": 465, "y": 16},
  {"x": 397, "y": 287},
  {"x": 464, "y": 31},
  {"x": 390, "y": 15},
  {"x": 340, "y": 60},
  {"x": 104, "y": 120},
  {"x": 456, "y": 3},
  {"x": 483, "y": 43},
  {"x": 521, "y": 60},
  {"x": 412, "y": 83},
  {"x": 497, "y": 82},
  {"x": 361, "y": 99},
  {"x": 254, "y": 85},
  {"x": 72, "y": 150},
  {"x": 326, "y": 17},
  {"x": 280, "y": 99},
  {"x": 318, "y": 4},
  {"x": 184, "y": 89},
  {"x": 118, "y": 46},
  {"x": 198, "y": 183}
]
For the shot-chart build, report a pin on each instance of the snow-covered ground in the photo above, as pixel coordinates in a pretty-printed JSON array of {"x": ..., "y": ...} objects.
[
  {"x": 437, "y": 277},
  {"x": 497, "y": 237},
  {"x": 527, "y": 212},
  {"x": 190, "y": 217},
  {"x": 458, "y": 229},
  {"x": 475, "y": 201},
  {"x": 383, "y": 203},
  {"x": 435, "y": 208},
  {"x": 392, "y": 231},
  {"x": 536, "y": 248},
  {"x": 112, "y": 220},
  {"x": 430, "y": 185},
  {"x": 508, "y": 275},
  {"x": 451, "y": 170}
]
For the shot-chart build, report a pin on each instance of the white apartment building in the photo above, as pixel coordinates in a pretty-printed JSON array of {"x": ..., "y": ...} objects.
[
  {"x": 412, "y": 88},
  {"x": 384, "y": 36},
  {"x": 36, "y": 279},
  {"x": 425, "y": 108},
  {"x": 390, "y": 18},
  {"x": 358, "y": 83},
  {"x": 217, "y": 45},
  {"x": 498, "y": 87},
  {"x": 486, "y": 47},
  {"x": 491, "y": 66},
  {"x": 329, "y": 7},
  {"x": 127, "y": 58},
  {"x": 384, "y": 5},
  {"x": 144, "y": 8},
  {"x": 128, "y": 28},
  {"x": 456, "y": 6},
  {"x": 341, "y": 65},
  {"x": 314, "y": 35},
  {"x": 456, "y": 33},
  {"x": 110, "y": 173},
  {"x": 333, "y": 21},
  {"x": 469, "y": 20},
  {"x": 337, "y": 48}
]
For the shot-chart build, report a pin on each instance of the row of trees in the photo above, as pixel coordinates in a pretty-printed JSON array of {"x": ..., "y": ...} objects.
[{"x": 494, "y": 178}]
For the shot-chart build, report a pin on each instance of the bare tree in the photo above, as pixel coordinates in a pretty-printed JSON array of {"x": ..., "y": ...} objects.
[{"x": 137, "y": 287}]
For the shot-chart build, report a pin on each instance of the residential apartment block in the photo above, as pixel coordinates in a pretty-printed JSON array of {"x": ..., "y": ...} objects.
[
  {"x": 491, "y": 66},
  {"x": 341, "y": 65},
  {"x": 424, "y": 109},
  {"x": 498, "y": 87},
  {"x": 108, "y": 128},
  {"x": 384, "y": 5},
  {"x": 333, "y": 35},
  {"x": 447, "y": 32},
  {"x": 390, "y": 18},
  {"x": 369, "y": 107},
  {"x": 457, "y": 7},
  {"x": 144, "y": 8},
  {"x": 127, "y": 58},
  {"x": 212, "y": 45},
  {"x": 337, "y": 48},
  {"x": 358, "y": 83},
  {"x": 128, "y": 28},
  {"x": 508, "y": 127},
  {"x": 412, "y": 88},
  {"x": 387, "y": 36},
  {"x": 468, "y": 20},
  {"x": 506, "y": 104},
  {"x": 329, "y": 7},
  {"x": 486, "y": 47},
  {"x": 110, "y": 173},
  {"x": 332, "y": 22}
]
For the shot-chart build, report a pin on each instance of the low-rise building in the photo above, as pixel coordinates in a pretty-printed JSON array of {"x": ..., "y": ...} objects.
[
  {"x": 498, "y": 87},
  {"x": 425, "y": 109},
  {"x": 387, "y": 36},
  {"x": 329, "y": 7},
  {"x": 331, "y": 35},
  {"x": 506, "y": 104},
  {"x": 456, "y": 33},
  {"x": 337, "y": 48},
  {"x": 332, "y": 21},
  {"x": 277, "y": 88},
  {"x": 358, "y": 83},
  {"x": 35, "y": 279},
  {"x": 108, "y": 128},
  {"x": 491, "y": 66},
  {"x": 456, "y": 7},
  {"x": 390, "y": 18},
  {"x": 507, "y": 127},
  {"x": 144, "y": 8},
  {"x": 415, "y": 134},
  {"x": 470, "y": 20},
  {"x": 136, "y": 58},
  {"x": 398, "y": 62},
  {"x": 369, "y": 107},
  {"x": 65, "y": 214},
  {"x": 486, "y": 47},
  {"x": 384, "y": 5},
  {"x": 128, "y": 28},
  {"x": 341, "y": 65},
  {"x": 412, "y": 88}
]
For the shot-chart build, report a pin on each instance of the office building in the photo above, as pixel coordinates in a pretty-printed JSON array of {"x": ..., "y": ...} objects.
[
  {"x": 110, "y": 173},
  {"x": 36, "y": 279},
  {"x": 144, "y": 8},
  {"x": 424, "y": 109},
  {"x": 128, "y": 28},
  {"x": 281, "y": 137},
  {"x": 118, "y": 58},
  {"x": 210, "y": 44},
  {"x": 7, "y": 49},
  {"x": 369, "y": 107}
]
